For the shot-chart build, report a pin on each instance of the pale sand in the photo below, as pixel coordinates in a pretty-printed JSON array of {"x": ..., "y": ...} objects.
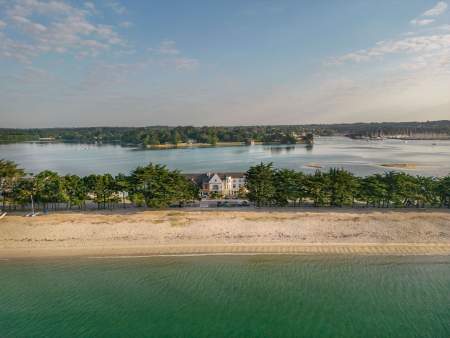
[
  {"x": 124, "y": 233},
  {"x": 400, "y": 165}
]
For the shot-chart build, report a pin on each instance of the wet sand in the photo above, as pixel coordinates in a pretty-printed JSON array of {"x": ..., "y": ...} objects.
[{"x": 124, "y": 233}]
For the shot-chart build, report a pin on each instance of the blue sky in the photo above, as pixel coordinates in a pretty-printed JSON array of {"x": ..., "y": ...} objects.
[{"x": 134, "y": 63}]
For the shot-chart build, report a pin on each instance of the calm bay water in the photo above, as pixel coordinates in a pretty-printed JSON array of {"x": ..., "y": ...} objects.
[
  {"x": 358, "y": 156},
  {"x": 239, "y": 296}
]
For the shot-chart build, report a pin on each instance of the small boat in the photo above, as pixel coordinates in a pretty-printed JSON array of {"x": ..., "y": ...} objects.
[{"x": 33, "y": 214}]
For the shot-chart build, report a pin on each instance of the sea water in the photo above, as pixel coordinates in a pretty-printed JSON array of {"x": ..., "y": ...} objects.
[
  {"x": 358, "y": 156},
  {"x": 226, "y": 296}
]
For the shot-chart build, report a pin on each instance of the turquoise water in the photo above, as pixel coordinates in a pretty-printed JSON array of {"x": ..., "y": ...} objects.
[
  {"x": 359, "y": 156},
  {"x": 227, "y": 296}
]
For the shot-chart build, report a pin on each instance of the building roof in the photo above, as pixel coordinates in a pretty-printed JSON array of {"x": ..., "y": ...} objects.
[{"x": 205, "y": 177}]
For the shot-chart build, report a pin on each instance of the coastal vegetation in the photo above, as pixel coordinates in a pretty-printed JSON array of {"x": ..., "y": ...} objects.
[
  {"x": 155, "y": 186},
  {"x": 159, "y": 136},
  {"x": 268, "y": 186}
]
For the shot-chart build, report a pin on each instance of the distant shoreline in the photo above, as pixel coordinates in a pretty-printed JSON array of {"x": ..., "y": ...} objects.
[{"x": 213, "y": 232}]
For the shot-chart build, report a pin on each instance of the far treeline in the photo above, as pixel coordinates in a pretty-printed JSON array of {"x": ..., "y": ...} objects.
[
  {"x": 156, "y": 135},
  {"x": 157, "y": 187}
]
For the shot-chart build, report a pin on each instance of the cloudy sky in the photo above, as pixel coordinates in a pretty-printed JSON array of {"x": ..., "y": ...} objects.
[{"x": 134, "y": 62}]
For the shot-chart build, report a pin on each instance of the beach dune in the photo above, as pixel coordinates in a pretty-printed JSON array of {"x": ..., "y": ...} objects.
[{"x": 118, "y": 233}]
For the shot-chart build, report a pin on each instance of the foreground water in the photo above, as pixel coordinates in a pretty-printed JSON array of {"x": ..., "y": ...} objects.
[
  {"x": 239, "y": 296},
  {"x": 359, "y": 156}
]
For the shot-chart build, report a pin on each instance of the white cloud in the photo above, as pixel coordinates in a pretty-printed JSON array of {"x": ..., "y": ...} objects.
[
  {"x": 168, "y": 54},
  {"x": 90, "y": 6},
  {"x": 421, "y": 22},
  {"x": 410, "y": 45},
  {"x": 2, "y": 24},
  {"x": 168, "y": 47},
  {"x": 126, "y": 24},
  {"x": 116, "y": 6},
  {"x": 186, "y": 63},
  {"x": 45, "y": 26},
  {"x": 424, "y": 19},
  {"x": 437, "y": 10},
  {"x": 444, "y": 28}
]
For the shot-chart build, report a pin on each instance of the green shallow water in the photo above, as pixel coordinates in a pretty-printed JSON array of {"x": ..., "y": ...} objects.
[{"x": 233, "y": 296}]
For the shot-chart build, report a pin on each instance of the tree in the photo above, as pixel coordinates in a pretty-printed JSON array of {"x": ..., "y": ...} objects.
[
  {"x": 301, "y": 188},
  {"x": 443, "y": 190},
  {"x": 212, "y": 137},
  {"x": 49, "y": 188},
  {"x": 426, "y": 193},
  {"x": 9, "y": 175},
  {"x": 175, "y": 137},
  {"x": 122, "y": 183},
  {"x": 373, "y": 190},
  {"x": 316, "y": 186},
  {"x": 23, "y": 191},
  {"x": 75, "y": 190},
  {"x": 161, "y": 187},
  {"x": 260, "y": 184},
  {"x": 102, "y": 187},
  {"x": 342, "y": 187},
  {"x": 285, "y": 187}
]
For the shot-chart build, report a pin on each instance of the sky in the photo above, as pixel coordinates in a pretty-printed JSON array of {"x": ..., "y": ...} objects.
[{"x": 227, "y": 62}]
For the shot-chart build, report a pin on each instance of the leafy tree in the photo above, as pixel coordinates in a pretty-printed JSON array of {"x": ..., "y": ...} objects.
[
  {"x": 426, "y": 191},
  {"x": 343, "y": 187},
  {"x": 316, "y": 186},
  {"x": 161, "y": 187},
  {"x": 122, "y": 183},
  {"x": 102, "y": 188},
  {"x": 23, "y": 191},
  {"x": 9, "y": 175},
  {"x": 75, "y": 190},
  {"x": 260, "y": 184},
  {"x": 49, "y": 188},
  {"x": 443, "y": 190},
  {"x": 285, "y": 187},
  {"x": 373, "y": 190}
]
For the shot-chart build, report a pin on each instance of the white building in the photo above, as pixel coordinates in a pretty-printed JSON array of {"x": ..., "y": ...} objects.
[{"x": 221, "y": 184}]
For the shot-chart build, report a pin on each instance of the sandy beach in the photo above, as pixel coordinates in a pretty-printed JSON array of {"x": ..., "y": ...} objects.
[{"x": 122, "y": 233}]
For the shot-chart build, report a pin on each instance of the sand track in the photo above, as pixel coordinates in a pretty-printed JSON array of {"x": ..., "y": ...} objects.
[{"x": 207, "y": 232}]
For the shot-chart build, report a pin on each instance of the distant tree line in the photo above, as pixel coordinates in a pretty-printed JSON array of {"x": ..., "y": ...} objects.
[
  {"x": 154, "y": 186},
  {"x": 159, "y": 135},
  {"x": 156, "y": 135},
  {"x": 267, "y": 186}
]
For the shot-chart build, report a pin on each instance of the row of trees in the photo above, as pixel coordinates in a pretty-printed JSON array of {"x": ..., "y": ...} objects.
[
  {"x": 157, "y": 187},
  {"x": 160, "y": 134},
  {"x": 208, "y": 134},
  {"x": 153, "y": 185},
  {"x": 280, "y": 187}
]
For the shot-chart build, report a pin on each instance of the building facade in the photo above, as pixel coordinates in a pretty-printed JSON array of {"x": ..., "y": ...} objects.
[{"x": 219, "y": 184}]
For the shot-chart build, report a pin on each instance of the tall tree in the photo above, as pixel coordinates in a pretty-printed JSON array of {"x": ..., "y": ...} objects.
[
  {"x": 285, "y": 187},
  {"x": 75, "y": 190},
  {"x": 443, "y": 190},
  {"x": 10, "y": 173},
  {"x": 373, "y": 190},
  {"x": 122, "y": 186},
  {"x": 317, "y": 187},
  {"x": 342, "y": 187},
  {"x": 159, "y": 186},
  {"x": 260, "y": 183},
  {"x": 49, "y": 188}
]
